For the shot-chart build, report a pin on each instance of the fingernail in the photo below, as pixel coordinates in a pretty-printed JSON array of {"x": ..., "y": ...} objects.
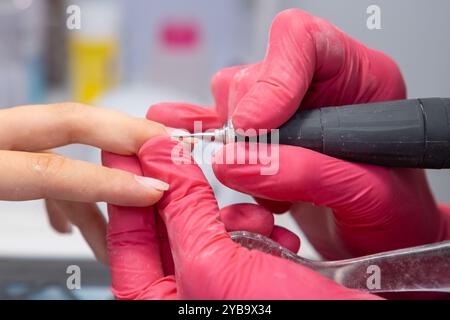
[
  {"x": 177, "y": 134},
  {"x": 174, "y": 131},
  {"x": 151, "y": 183},
  {"x": 68, "y": 228}
]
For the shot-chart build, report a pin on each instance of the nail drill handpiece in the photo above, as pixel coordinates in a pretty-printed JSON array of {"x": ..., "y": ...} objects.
[{"x": 405, "y": 133}]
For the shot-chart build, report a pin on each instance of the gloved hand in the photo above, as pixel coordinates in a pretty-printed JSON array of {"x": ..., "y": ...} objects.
[
  {"x": 345, "y": 209},
  {"x": 207, "y": 263}
]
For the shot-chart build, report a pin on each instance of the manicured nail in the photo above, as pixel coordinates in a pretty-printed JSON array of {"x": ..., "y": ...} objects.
[
  {"x": 68, "y": 229},
  {"x": 151, "y": 183},
  {"x": 173, "y": 131},
  {"x": 177, "y": 134}
]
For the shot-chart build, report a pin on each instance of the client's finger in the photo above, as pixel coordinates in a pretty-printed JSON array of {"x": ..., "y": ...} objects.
[
  {"x": 32, "y": 128},
  {"x": 45, "y": 176}
]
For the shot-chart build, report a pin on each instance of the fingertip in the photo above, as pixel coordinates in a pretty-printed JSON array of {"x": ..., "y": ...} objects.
[
  {"x": 106, "y": 158},
  {"x": 285, "y": 18},
  {"x": 234, "y": 167},
  {"x": 154, "y": 197},
  {"x": 247, "y": 217},
  {"x": 152, "y": 183},
  {"x": 62, "y": 227},
  {"x": 222, "y": 78},
  {"x": 286, "y": 238},
  {"x": 157, "y": 112},
  {"x": 159, "y": 157},
  {"x": 220, "y": 87},
  {"x": 277, "y": 207},
  {"x": 273, "y": 103}
]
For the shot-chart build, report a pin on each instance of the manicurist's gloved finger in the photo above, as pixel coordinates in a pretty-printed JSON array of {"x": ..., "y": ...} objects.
[
  {"x": 286, "y": 238},
  {"x": 183, "y": 115},
  {"x": 247, "y": 217},
  {"x": 360, "y": 196},
  {"x": 319, "y": 179},
  {"x": 313, "y": 172},
  {"x": 221, "y": 90},
  {"x": 284, "y": 75},
  {"x": 32, "y": 128},
  {"x": 257, "y": 219},
  {"x": 190, "y": 192},
  {"x": 164, "y": 246},
  {"x": 190, "y": 213},
  {"x": 208, "y": 264},
  {"x": 133, "y": 245},
  {"x": 310, "y": 63},
  {"x": 274, "y": 206}
]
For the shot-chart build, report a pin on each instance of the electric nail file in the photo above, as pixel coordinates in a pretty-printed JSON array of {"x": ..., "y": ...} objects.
[{"x": 406, "y": 133}]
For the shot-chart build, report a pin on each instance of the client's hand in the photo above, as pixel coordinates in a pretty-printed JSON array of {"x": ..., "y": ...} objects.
[{"x": 72, "y": 187}]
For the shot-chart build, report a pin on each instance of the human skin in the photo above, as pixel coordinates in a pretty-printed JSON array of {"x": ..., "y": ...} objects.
[
  {"x": 72, "y": 187},
  {"x": 346, "y": 209},
  {"x": 207, "y": 264}
]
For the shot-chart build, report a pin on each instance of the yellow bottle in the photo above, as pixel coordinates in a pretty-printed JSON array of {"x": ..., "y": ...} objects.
[{"x": 94, "y": 50}]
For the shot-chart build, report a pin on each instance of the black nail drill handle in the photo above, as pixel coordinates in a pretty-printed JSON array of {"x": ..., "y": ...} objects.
[{"x": 406, "y": 133}]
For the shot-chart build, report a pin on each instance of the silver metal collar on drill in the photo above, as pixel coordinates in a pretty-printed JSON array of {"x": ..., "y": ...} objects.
[{"x": 225, "y": 135}]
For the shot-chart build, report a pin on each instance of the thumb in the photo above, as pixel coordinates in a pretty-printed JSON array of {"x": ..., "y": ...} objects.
[
  {"x": 221, "y": 88},
  {"x": 189, "y": 208},
  {"x": 304, "y": 175},
  {"x": 208, "y": 264},
  {"x": 247, "y": 217},
  {"x": 133, "y": 246}
]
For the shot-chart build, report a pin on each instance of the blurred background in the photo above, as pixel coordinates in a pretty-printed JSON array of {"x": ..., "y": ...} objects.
[{"x": 127, "y": 55}]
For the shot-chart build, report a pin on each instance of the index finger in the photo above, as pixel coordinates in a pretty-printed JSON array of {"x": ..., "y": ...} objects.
[{"x": 38, "y": 127}]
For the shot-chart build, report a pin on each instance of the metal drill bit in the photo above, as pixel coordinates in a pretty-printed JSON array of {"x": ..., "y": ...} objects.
[
  {"x": 194, "y": 135},
  {"x": 224, "y": 135}
]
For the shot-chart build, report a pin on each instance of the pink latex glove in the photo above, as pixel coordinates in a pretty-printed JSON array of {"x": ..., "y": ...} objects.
[
  {"x": 137, "y": 238},
  {"x": 345, "y": 209},
  {"x": 208, "y": 264}
]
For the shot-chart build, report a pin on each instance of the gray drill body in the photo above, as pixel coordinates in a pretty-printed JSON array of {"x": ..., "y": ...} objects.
[{"x": 407, "y": 133}]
